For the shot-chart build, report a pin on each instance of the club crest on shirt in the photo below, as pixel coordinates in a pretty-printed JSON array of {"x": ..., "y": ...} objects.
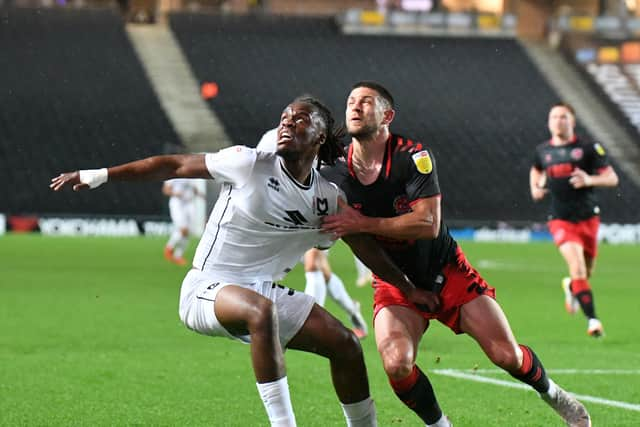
[
  {"x": 423, "y": 162},
  {"x": 401, "y": 205},
  {"x": 599, "y": 149},
  {"x": 576, "y": 153}
]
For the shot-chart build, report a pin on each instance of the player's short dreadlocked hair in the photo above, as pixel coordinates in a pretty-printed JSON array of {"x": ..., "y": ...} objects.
[{"x": 332, "y": 149}]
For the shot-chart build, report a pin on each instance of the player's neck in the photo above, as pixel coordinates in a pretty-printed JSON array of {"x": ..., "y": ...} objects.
[
  {"x": 371, "y": 149},
  {"x": 300, "y": 170},
  {"x": 367, "y": 157},
  {"x": 562, "y": 139}
]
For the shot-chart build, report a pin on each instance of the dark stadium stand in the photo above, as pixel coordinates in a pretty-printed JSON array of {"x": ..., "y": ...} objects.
[
  {"x": 73, "y": 94},
  {"x": 480, "y": 104}
]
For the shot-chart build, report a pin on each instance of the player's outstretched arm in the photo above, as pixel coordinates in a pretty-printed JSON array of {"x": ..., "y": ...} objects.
[
  {"x": 374, "y": 257},
  {"x": 423, "y": 222},
  {"x": 156, "y": 168}
]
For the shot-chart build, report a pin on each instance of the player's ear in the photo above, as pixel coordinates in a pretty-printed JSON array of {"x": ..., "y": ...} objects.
[{"x": 388, "y": 116}]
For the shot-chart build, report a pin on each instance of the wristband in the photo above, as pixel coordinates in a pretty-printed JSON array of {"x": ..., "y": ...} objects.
[{"x": 94, "y": 177}]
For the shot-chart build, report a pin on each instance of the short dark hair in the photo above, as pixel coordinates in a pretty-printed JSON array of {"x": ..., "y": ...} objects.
[
  {"x": 382, "y": 91},
  {"x": 332, "y": 149},
  {"x": 565, "y": 105}
]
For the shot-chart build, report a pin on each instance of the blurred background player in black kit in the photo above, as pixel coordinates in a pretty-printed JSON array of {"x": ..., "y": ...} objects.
[
  {"x": 392, "y": 185},
  {"x": 569, "y": 168}
]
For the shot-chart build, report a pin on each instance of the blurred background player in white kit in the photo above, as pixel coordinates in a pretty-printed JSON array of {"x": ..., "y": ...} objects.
[
  {"x": 182, "y": 193},
  {"x": 318, "y": 275}
]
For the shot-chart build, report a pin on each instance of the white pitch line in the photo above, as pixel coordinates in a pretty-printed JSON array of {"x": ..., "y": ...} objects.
[
  {"x": 479, "y": 378},
  {"x": 560, "y": 371}
]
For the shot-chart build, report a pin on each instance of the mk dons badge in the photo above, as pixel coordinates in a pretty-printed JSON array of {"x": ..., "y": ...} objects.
[
  {"x": 599, "y": 149},
  {"x": 423, "y": 162}
]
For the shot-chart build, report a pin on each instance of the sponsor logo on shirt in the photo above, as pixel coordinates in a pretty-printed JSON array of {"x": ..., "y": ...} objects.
[
  {"x": 423, "y": 162},
  {"x": 599, "y": 149}
]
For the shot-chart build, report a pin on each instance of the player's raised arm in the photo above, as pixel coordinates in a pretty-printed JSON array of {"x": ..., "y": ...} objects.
[
  {"x": 374, "y": 257},
  {"x": 156, "y": 168}
]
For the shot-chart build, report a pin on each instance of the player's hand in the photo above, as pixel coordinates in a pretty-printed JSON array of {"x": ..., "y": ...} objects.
[
  {"x": 580, "y": 179},
  {"x": 425, "y": 300},
  {"x": 67, "y": 178},
  {"x": 538, "y": 193},
  {"x": 346, "y": 221}
]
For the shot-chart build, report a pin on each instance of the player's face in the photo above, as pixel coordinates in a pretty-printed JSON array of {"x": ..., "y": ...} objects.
[
  {"x": 561, "y": 122},
  {"x": 300, "y": 129},
  {"x": 365, "y": 112}
]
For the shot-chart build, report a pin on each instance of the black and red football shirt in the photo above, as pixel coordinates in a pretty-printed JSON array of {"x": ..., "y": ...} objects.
[
  {"x": 408, "y": 173},
  {"x": 558, "y": 162}
]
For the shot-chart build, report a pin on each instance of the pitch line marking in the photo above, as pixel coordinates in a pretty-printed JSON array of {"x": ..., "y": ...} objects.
[
  {"x": 559, "y": 371},
  {"x": 487, "y": 380}
]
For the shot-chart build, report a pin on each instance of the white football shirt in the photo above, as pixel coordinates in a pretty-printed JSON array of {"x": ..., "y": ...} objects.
[{"x": 264, "y": 219}]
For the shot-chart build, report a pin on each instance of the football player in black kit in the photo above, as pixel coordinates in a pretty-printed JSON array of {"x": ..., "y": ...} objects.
[
  {"x": 569, "y": 168},
  {"x": 392, "y": 187}
]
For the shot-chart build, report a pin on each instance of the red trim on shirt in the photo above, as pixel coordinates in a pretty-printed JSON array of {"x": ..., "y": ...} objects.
[
  {"x": 350, "y": 161},
  {"x": 439, "y": 196},
  {"x": 388, "y": 166}
]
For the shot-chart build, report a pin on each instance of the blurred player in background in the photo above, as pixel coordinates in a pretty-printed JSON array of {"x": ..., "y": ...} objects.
[
  {"x": 364, "y": 274},
  {"x": 268, "y": 213},
  {"x": 319, "y": 278},
  {"x": 392, "y": 185},
  {"x": 569, "y": 168},
  {"x": 182, "y": 193}
]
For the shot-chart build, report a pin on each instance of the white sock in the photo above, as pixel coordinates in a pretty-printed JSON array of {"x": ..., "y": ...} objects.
[
  {"x": 180, "y": 246},
  {"x": 360, "y": 414},
  {"x": 173, "y": 238},
  {"x": 362, "y": 269},
  {"x": 277, "y": 402},
  {"x": 553, "y": 389},
  {"x": 316, "y": 286},
  {"x": 338, "y": 292},
  {"x": 442, "y": 422}
]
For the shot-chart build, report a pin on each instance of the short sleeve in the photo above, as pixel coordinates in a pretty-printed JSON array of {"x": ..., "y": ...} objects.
[
  {"x": 233, "y": 164},
  {"x": 537, "y": 161},
  {"x": 422, "y": 180},
  {"x": 599, "y": 156}
]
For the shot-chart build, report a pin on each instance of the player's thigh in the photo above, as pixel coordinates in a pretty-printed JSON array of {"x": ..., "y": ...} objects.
[
  {"x": 573, "y": 253},
  {"x": 323, "y": 334},
  {"x": 236, "y": 306},
  {"x": 483, "y": 319},
  {"x": 399, "y": 329}
]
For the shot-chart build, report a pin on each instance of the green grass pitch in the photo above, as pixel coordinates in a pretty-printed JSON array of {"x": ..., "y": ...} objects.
[{"x": 90, "y": 336}]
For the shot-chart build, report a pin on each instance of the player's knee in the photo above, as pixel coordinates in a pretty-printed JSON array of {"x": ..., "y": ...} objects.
[
  {"x": 348, "y": 345},
  {"x": 263, "y": 315},
  {"x": 397, "y": 362},
  {"x": 504, "y": 355}
]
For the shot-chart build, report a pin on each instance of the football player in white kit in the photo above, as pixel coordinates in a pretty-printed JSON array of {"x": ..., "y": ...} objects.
[
  {"x": 319, "y": 277},
  {"x": 182, "y": 193},
  {"x": 268, "y": 213}
]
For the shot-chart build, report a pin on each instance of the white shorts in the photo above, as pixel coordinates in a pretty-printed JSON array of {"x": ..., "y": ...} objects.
[
  {"x": 198, "y": 296},
  {"x": 180, "y": 212}
]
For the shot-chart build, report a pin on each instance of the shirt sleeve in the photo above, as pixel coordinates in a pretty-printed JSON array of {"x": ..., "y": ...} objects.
[
  {"x": 599, "y": 157},
  {"x": 422, "y": 180},
  {"x": 537, "y": 161},
  {"x": 269, "y": 141},
  {"x": 233, "y": 164}
]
